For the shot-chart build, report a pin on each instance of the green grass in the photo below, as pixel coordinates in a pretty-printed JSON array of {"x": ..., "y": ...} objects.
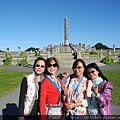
[
  {"x": 9, "y": 80},
  {"x": 114, "y": 77}
]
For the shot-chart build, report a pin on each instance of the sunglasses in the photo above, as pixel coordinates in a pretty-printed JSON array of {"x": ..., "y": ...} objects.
[
  {"x": 91, "y": 72},
  {"x": 78, "y": 67},
  {"x": 42, "y": 66},
  {"x": 50, "y": 65}
]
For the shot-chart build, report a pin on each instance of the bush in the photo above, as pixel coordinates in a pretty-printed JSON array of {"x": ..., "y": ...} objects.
[
  {"x": 18, "y": 62},
  {"x": 23, "y": 54},
  {"x": 107, "y": 60},
  {"x": 118, "y": 55},
  {"x": 93, "y": 52},
  {"x": 118, "y": 62},
  {"x": 37, "y": 54},
  {"x": 8, "y": 59},
  {"x": 23, "y": 61}
]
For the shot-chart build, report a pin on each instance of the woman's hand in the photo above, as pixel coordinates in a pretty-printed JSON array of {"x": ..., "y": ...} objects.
[
  {"x": 95, "y": 90},
  {"x": 65, "y": 74},
  {"x": 73, "y": 105},
  {"x": 70, "y": 105}
]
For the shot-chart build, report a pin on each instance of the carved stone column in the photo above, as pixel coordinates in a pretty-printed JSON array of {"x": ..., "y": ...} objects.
[{"x": 66, "y": 42}]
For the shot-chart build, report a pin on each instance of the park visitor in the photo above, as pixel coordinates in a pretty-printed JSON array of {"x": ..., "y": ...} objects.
[
  {"x": 76, "y": 89},
  {"x": 29, "y": 92},
  {"x": 101, "y": 91},
  {"x": 50, "y": 91}
]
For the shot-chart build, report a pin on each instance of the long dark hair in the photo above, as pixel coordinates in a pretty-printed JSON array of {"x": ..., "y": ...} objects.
[{"x": 95, "y": 66}]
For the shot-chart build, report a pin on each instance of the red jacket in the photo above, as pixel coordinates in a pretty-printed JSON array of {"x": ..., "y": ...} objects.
[{"x": 49, "y": 94}]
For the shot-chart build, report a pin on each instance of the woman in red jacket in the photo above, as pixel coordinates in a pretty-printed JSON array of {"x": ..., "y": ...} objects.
[{"x": 50, "y": 91}]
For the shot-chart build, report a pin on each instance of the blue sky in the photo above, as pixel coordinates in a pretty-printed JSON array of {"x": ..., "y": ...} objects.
[{"x": 37, "y": 23}]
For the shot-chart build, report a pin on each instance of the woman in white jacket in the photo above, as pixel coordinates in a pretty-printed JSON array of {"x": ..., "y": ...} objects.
[
  {"x": 29, "y": 91},
  {"x": 77, "y": 90}
]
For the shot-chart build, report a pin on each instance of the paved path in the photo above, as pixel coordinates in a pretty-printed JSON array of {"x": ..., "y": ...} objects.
[{"x": 9, "y": 102}]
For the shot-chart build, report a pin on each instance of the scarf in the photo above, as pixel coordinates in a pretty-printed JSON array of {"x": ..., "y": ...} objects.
[
  {"x": 97, "y": 81},
  {"x": 93, "y": 108}
]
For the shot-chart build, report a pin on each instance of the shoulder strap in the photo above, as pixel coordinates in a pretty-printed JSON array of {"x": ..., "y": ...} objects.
[
  {"x": 87, "y": 83},
  {"x": 59, "y": 89},
  {"x": 59, "y": 96},
  {"x": 77, "y": 86}
]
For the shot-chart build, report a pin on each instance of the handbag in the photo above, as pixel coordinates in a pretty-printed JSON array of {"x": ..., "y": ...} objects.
[{"x": 54, "y": 111}]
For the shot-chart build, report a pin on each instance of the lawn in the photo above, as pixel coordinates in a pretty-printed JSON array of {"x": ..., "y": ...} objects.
[
  {"x": 9, "y": 80},
  {"x": 114, "y": 77}
]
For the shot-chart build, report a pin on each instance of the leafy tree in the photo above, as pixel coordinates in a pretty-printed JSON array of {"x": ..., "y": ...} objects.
[
  {"x": 101, "y": 46},
  {"x": 2, "y": 51},
  {"x": 32, "y": 48}
]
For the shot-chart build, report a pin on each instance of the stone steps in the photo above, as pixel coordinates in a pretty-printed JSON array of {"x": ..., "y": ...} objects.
[
  {"x": 67, "y": 64},
  {"x": 66, "y": 60},
  {"x": 64, "y": 55}
]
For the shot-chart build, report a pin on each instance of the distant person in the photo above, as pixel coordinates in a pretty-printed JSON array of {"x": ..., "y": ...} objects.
[
  {"x": 50, "y": 91},
  {"x": 29, "y": 91},
  {"x": 77, "y": 89},
  {"x": 101, "y": 96}
]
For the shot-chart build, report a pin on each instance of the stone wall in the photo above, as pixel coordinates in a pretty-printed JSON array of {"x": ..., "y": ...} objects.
[{"x": 51, "y": 50}]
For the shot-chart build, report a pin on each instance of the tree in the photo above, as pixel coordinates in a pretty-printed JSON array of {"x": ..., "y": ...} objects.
[
  {"x": 32, "y": 48},
  {"x": 101, "y": 46}
]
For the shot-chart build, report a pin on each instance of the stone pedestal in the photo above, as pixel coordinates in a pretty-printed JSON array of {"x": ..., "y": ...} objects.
[
  {"x": 78, "y": 53},
  {"x": 18, "y": 49},
  {"x": 101, "y": 54}
]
